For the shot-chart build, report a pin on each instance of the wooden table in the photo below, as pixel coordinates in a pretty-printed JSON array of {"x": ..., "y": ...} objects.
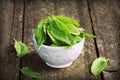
[{"x": 18, "y": 18}]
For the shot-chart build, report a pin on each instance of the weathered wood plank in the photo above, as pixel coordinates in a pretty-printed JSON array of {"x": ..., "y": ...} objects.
[
  {"x": 10, "y": 28},
  {"x": 78, "y": 9},
  {"x": 6, "y": 15},
  {"x": 80, "y": 69},
  {"x": 35, "y": 10},
  {"x": 106, "y": 22}
]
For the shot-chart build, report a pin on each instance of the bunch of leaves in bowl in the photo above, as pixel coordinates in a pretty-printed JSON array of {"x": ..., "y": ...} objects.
[{"x": 59, "y": 31}]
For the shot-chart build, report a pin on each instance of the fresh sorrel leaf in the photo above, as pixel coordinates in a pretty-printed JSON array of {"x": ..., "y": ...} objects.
[
  {"x": 61, "y": 30},
  {"x": 73, "y": 30},
  {"x": 98, "y": 65},
  {"x": 30, "y": 73},
  {"x": 55, "y": 41},
  {"x": 67, "y": 20},
  {"x": 53, "y": 45},
  {"x": 40, "y": 34},
  {"x": 60, "y": 25},
  {"x": 84, "y": 34},
  {"x": 20, "y": 48},
  {"x": 57, "y": 33},
  {"x": 76, "y": 39}
]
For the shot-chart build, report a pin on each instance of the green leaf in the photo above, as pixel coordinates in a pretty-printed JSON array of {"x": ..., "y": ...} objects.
[
  {"x": 76, "y": 39},
  {"x": 30, "y": 73},
  {"x": 60, "y": 25},
  {"x": 69, "y": 46},
  {"x": 40, "y": 34},
  {"x": 59, "y": 30},
  {"x": 54, "y": 45},
  {"x": 67, "y": 20},
  {"x": 55, "y": 41},
  {"x": 73, "y": 30},
  {"x": 98, "y": 65},
  {"x": 20, "y": 48},
  {"x": 84, "y": 34},
  {"x": 55, "y": 29}
]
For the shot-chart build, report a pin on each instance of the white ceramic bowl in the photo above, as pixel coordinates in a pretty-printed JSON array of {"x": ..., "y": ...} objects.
[{"x": 59, "y": 57}]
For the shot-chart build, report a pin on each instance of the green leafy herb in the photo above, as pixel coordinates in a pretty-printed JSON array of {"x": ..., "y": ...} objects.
[
  {"x": 75, "y": 39},
  {"x": 98, "y": 65},
  {"x": 20, "y": 48},
  {"x": 62, "y": 31},
  {"x": 59, "y": 34},
  {"x": 30, "y": 73},
  {"x": 55, "y": 41},
  {"x": 84, "y": 34},
  {"x": 67, "y": 20},
  {"x": 40, "y": 33},
  {"x": 73, "y": 30},
  {"x": 60, "y": 25}
]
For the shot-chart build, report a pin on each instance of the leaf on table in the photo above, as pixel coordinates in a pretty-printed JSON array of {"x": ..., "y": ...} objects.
[
  {"x": 98, "y": 65},
  {"x": 30, "y": 73},
  {"x": 20, "y": 48}
]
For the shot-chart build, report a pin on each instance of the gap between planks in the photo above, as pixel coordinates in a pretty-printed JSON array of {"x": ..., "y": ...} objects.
[{"x": 96, "y": 47}]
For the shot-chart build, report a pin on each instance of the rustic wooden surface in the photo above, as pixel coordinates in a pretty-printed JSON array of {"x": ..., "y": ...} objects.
[{"x": 18, "y": 19}]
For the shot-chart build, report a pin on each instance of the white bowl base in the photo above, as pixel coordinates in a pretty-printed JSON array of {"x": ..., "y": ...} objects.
[{"x": 59, "y": 66}]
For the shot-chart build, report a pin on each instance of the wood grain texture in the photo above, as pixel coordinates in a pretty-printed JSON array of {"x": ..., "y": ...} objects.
[
  {"x": 106, "y": 22},
  {"x": 80, "y": 69},
  {"x": 18, "y": 19},
  {"x": 10, "y": 28},
  {"x": 35, "y": 10}
]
